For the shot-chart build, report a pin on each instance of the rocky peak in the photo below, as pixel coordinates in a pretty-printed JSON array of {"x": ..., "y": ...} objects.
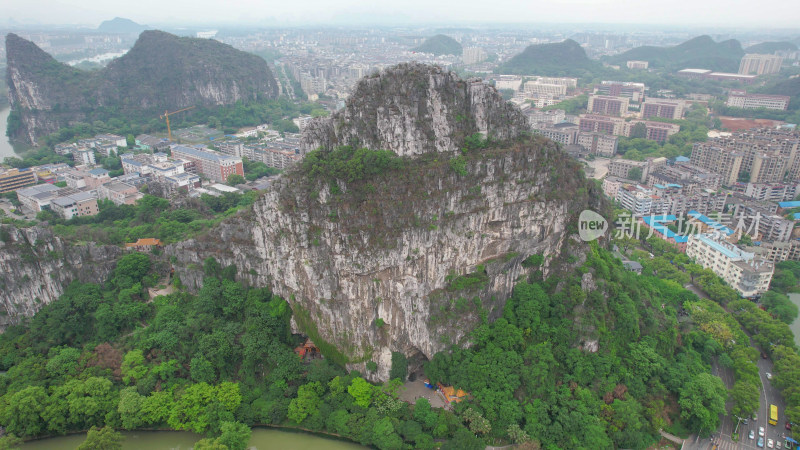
[
  {"x": 161, "y": 71},
  {"x": 413, "y": 109},
  {"x": 410, "y": 258}
]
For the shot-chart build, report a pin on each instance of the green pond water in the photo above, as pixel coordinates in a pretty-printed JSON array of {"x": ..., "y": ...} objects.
[{"x": 261, "y": 439}]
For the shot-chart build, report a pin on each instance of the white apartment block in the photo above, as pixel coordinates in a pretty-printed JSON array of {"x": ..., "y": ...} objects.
[
  {"x": 512, "y": 82},
  {"x": 473, "y": 55},
  {"x": 756, "y": 64},
  {"x": 748, "y": 275},
  {"x": 536, "y": 89},
  {"x": 755, "y": 101},
  {"x": 640, "y": 65}
]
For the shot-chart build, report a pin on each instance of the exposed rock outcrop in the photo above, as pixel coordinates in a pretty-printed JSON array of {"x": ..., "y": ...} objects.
[
  {"x": 413, "y": 109},
  {"x": 37, "y": 266},
  {"x": 408, "y": 260},
  {"x": 161, "y": 71}
]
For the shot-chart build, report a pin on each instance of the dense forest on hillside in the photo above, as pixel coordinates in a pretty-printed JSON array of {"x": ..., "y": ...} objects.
[
  {"x": 565, "y": 58},
  {"x": 439, "y": 45},
  {"x": 701, "y": 52},
  {"x": 106, "y": 354}
]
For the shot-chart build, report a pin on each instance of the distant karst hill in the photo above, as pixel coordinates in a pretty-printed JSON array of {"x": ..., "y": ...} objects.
[
  {"x": 162, "y": 71},
  {"x": 121, "y": 26},
  {"x": 565, "y": 58},
  {"x": 439, "y": 45},
  {"x": 766, "y": 48},
  {"x": 700, "y": 52}
]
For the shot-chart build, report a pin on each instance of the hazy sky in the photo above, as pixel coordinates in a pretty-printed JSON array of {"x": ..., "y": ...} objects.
[{"x": 729, "y": 13}]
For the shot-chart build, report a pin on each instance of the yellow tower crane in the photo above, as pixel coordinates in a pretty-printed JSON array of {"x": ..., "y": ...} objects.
[{"x": 166, "y": 116}]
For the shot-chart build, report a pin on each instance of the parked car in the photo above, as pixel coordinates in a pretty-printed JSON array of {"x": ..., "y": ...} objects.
[
  {"x": 745, "y": 421},
  {"x": 769, "y": 376},
  {"x": 752, "y": 434},
  {"x": 778, "y": 444},
  {"x": 760, "y": 442},
  {"x": 770, "y": 443},
  {"x": 788, "y": 425},
  {"x": 761, "y": 431}
]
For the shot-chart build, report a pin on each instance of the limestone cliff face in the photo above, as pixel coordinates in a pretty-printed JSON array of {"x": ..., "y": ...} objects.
[
  {"x": 36, "y": 267},
  {"x": 413, "y": 109},
  {"x": 408, "y": 260},
  {"x": 161, "y": 71}
]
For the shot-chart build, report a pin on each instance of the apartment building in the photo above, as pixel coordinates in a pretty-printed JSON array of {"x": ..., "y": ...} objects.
[
  {"x": 628, "y": 89},
  {"x": 748, "y": 275},
  {"x": 216, "y": 166},
  {"x": 758, "y": 64},
  {"x": 552, "y": 116},
  {"x": 622, "y": 167},
  {"x": 536, "y": 89},
  {"x": 598, "y": 143},
  {"x": 233, "y": 148},
  {"x": 75, "y": 205},
  {"x": 37, "y": 198},
  {"x": 595, "y": 123},
  {"x": 773, "y": 192},
  {"x": 667, "y": 109},
  {"x": 473, "y": 55},
  {"x": 13, "y": 179},
  {"x": 776, "y": 252},
  {"x": 607, "y": 105},
  {"x": 759, "y": 219},
  {"x": 84, "y": 156},
  {"x": 691, "y": 178},
  {"x": 512, "y": 82},
  {"x": 119, "y": 192},
  {"x": 739, "y": 99},
  {"x": 637, "y": 65},
  {"x": 640, "y": 200},
  {"x": 564, "y": 133},
  {"x": 612, "y": 184},
  {"x": 654, "y": 131},
  {"x": 717, "y": 159}
]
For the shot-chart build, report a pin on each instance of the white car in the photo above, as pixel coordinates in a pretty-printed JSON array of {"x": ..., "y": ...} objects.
[
  {"x": 752, "y": 434},
  {"x": 769, "y": 376},
  {"x": 760, "y": 431},
  {"x": 770, "y": 443}
]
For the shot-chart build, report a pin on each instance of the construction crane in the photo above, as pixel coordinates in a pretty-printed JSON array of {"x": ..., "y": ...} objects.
[{"x": 166, "y": 116}]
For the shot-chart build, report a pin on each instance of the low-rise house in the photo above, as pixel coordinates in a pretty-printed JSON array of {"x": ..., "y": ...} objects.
[
  {"x": 75, "y": 205},
  {"x": 120, "y": 193}
]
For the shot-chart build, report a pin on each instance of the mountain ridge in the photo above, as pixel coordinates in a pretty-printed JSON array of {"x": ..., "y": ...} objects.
[
  {"x": 160, "y": 72},
  {"x": 700, "y": 52},
  {"x": 439, "y": 44},
  {"x": 565, "y": 58}
]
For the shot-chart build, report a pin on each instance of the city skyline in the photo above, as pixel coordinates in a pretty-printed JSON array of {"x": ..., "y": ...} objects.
[{"x": 712, "y": 13}]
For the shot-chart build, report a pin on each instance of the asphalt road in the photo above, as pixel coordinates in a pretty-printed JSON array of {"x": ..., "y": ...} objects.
[{"x": 721, "y": 439}]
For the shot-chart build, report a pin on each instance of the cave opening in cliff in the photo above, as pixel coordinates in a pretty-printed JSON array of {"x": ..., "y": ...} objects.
[{"x": 416, "y": 363}]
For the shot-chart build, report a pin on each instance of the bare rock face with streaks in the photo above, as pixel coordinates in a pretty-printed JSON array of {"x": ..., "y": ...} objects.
[
  {"x": 411, "y": 259},
  {"x": 36, "y": 267},
  {"x": 414, "y": 109}
]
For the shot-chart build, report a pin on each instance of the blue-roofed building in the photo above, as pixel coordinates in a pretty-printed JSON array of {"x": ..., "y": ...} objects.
[
  {"x": 681, "y": 159},
  {"x": 711, "y": 225},
  {"x": 659, "y": 225},
  {"x": 788, "y": 205},
  {"x": 748, "y": 274}
]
